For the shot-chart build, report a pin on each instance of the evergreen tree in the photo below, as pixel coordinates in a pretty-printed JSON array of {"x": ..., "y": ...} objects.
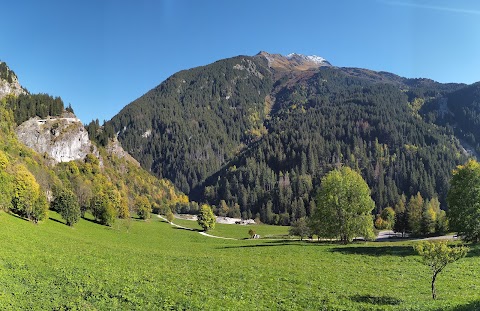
[{"x": 414, "y": 211}]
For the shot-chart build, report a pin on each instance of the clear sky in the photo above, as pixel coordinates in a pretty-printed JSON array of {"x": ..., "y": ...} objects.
[{"x": 99, "y": 55}]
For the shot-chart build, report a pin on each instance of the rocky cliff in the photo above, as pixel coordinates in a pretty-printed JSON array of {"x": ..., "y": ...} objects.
[{"x": 62, "y": 138}]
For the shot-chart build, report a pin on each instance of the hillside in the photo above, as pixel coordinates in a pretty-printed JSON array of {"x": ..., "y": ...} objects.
[
  {"x": 45, "y": 152},
  {"x": 197, "y": 120},
  {"x": 254, "y": 135}
]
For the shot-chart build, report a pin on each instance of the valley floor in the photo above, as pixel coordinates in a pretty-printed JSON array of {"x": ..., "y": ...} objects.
[{"x": 155, "y": 266}]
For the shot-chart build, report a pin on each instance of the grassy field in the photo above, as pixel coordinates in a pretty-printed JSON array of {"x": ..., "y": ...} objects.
[
  {"x": 239, "y": 231},
  {"x": 154, "y": 266}
]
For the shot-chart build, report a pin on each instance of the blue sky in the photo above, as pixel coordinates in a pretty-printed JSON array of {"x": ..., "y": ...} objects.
[{"x": 100, "y": 55}]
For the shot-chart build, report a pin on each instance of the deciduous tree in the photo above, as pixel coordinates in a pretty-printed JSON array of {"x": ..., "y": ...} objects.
[
  {"x": 463, "y": 201},
  {"x": 170, "y": 216},
  {"x": 66, "y": 204},
  {"x": 27, "y": 198},
  {"x": 414, "y": 211},
  {"x": 143, "y": 207},
  {"x": 206, "y": 219},
  {"x": 102, "y": 209},
  {"x": 299, "y": 228},
  {"x": 437, "y": 255},
  {"x": 344, "y": 206}
]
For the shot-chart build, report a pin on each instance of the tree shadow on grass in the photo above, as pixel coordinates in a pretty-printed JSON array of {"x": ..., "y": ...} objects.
[
  {"x": 474, "y": 305},
  {"x": 188, "y": 229},
  {"x": 376, "y": 251},
  {"x": 474, "y": 251},
  {"x": 56, "y": 220},
  {"x": 274, "y": 244},
  {"x": 377, "y": 300},
  {"x": 92, "y": 220},
  {"x": 17, "y": 216}
]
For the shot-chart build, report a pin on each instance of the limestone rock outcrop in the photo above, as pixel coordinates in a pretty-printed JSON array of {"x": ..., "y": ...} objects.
[{"x": 62, "y": 138}]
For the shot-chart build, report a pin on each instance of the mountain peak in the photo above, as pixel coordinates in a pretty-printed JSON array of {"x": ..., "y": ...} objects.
[
  {"x": 308, "y": 58},
  {"x": 294, "y": 61}
]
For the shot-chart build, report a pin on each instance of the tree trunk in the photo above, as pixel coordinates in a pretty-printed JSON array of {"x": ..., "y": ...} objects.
[{"x": 434, "y": 294}]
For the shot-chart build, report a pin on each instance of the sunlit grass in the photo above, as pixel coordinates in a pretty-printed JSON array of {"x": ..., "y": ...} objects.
[
  {"x": 239, "y": 231},
  {"x": 154, "y": 266}
]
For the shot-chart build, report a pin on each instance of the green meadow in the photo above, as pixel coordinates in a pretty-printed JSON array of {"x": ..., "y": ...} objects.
[
  {"x": 151, "y": 265},
  {"x": 239, "y": 231}
]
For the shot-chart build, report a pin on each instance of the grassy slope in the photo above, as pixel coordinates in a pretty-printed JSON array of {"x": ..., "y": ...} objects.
[{"x": 154, "y": 266}]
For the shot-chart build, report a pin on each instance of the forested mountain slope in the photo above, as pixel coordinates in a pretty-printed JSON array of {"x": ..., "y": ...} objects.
[
  {"x": 197, "y": 120},
  {"x": 254, "y": 135},
  {"x": 30, "y": 181}
]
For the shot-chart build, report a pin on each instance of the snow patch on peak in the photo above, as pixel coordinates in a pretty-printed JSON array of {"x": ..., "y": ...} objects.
[
  {"x": 316, "y": 59},
  {"x": 313, "y": 58}
]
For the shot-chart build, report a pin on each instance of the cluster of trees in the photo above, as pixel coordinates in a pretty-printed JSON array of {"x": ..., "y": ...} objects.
[
  {"x": 101, "y": 135},
  {"x": 5, "y": 73},
  {"x": 119, "y": 189},
  {"x": 26, "y": 198},
  {"x": 344, "y": 209},
  {"x": 344, "y": 206},
  {"x": 110, "y": 189},
  {"x": 26, "y": 106},
  {"x": 19, "y": 190},
  {"x": 418, "y": 216}
]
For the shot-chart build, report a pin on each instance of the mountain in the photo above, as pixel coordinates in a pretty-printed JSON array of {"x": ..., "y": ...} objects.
[
  {"x": 255, "y": 134},
  {"x": 45, "y": 151},
  {"x": 197, "y": 120},
  {"x": 294, "y": 61}
]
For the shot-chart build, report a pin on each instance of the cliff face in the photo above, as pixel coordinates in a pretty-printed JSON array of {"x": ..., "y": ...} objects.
[{"x": 62, "y": 138}]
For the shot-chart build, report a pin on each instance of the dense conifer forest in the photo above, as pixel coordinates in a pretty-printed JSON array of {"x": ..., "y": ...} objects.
[{"x": 255, "y": 141}]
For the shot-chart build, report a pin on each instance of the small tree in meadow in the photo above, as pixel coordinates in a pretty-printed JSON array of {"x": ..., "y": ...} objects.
[
  {"x": 463, "y": 201},
  {"x": 300, "y": 228},
  {"x": 437, "y": 255},
  {"x": 206, "y": 218},
  {"x": 251, "y": 233},
  {"x": 170, "y": 216},
  {"x": 344, "y": 206},
  {"x": 143, "y": 207},
  {"x": 67, "y": 206},
  {"x": 102, "y": 209}
]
